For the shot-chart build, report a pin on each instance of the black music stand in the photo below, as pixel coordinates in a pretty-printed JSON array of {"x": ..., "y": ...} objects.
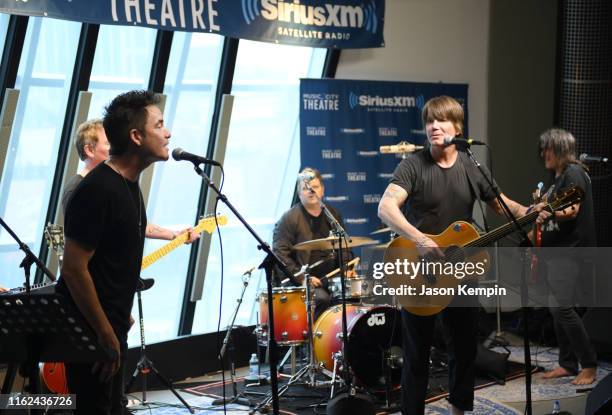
[{"x": 44, "y": 328}]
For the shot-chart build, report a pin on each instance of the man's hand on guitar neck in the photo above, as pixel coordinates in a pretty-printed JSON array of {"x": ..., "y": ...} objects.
[{"x": 543, "y": 214}]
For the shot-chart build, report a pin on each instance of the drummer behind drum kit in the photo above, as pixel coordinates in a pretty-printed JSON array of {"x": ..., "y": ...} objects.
[{"x": 372, "y": 355}]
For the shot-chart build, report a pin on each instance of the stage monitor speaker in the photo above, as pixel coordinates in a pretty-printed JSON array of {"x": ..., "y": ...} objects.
[
  {"x": 599, "y": 401},
  {"x": 492, "y": 364}
]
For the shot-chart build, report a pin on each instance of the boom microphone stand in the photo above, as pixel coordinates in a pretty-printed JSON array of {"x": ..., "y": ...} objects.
[
  {"x": 268, "y": 265},
  {"x": 30, "y": 368},
  {"x": 235, "y": 398},
  {"x": 524, "y": 288}
]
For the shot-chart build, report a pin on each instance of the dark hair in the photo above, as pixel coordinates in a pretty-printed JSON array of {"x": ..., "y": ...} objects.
[
  {"x": 562, "y": 143},
  {"x": 126, "y": 112},
  {"x": 444, "y": 108},
  {"x": 315, "y": 172}
]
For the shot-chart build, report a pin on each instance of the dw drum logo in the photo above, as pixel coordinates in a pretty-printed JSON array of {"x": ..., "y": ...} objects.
[{"x": 377, "y": 319}]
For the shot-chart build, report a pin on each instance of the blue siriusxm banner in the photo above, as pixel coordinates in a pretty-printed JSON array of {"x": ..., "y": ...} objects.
[
  {"x": 343, "y": 123},
  {"x": 317, "y": 23}
]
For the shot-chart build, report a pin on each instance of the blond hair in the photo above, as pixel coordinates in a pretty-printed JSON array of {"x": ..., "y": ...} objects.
[{"x": 87, "y": 134}]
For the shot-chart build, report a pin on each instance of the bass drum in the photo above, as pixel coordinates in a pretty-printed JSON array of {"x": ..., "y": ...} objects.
[{"x": 374, "y": 343}]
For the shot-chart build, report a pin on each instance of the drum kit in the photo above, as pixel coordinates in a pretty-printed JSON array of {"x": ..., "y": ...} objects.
[{"x": 372, "y": 353}]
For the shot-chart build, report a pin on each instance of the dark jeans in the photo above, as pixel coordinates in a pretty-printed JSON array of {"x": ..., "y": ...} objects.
[
  {"x": 94, "y": 397},
  {"x": 322, "y": 300},
  {"x": 460, "y": 329},
  {"x": 574, "y": 345}
]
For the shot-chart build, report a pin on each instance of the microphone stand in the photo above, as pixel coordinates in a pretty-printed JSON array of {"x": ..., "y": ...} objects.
[
  {"x": 524, "y": 288},
  {"x": 29, "y": 367},
  {"x": 268, "y": 264},
  {"x": 236, "y": 398},
  {"x": 341, "y": 234}
]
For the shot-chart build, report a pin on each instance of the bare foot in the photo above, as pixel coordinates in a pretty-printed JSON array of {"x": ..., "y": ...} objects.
[
  {"x": 585, "y": 377},
  {"x": 557, "y": 372}
]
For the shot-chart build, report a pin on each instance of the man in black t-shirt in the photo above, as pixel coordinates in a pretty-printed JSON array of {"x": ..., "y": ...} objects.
[
  {"x": 429, "y": 191},
  {"x": 93, "y": 148},
  {"x": 105, "y": 226},
  {"x": 303, "y": 222},
  {"x": 572, "y": 227}
]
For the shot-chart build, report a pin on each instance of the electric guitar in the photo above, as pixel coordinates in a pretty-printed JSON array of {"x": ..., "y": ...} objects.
[
  {"x": 53, "y": 373},
  {"x": 458, "y": 235},
  {"x": 207, "y": 225}
]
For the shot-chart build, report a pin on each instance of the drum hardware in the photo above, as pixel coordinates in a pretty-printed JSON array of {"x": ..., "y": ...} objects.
[
  {"x": 227, "y": 345},
  {"x": 311, "y": 368}
]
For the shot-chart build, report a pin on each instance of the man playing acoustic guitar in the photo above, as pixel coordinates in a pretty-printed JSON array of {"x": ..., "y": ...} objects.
[{"x": 436, "y": 187}]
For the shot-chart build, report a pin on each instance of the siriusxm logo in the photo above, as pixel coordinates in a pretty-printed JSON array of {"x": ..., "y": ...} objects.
[
  {"x": 331, "y": 154},
  {"x": 337, "y": 198},
  {"x": 387, "y": 131},
  {"x": 322, "y": 15},
  {"x": 354, "y": 176},
  {"x": 352, "y": 130},
  {"x": 327, "y": 176},
  {"x": 385, "y": 175},
  {"x": 382, "y": 102},
  {"x": 316, "y": 131},
  {"x": 371, "y": 198},
  {"x": 357, "y": 221},
  {"x": 373, "y": 153}
]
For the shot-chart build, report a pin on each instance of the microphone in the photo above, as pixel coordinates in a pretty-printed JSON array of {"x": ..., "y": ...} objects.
[
  {"x": 249, "y": 271},
  {"x": 598, "y": 159},
  {"x": 306, "y": 176},
  {"x": 465, "y": 142},
  {"x": 400, "y": 148},
  {"x": 179, "y": 154}
]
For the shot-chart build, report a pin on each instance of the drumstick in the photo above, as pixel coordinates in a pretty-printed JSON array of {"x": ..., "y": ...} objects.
[{"x": 352, "y": 262}]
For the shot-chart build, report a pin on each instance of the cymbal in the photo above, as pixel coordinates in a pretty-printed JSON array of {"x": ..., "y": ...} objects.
[
  {"x": 383, "y": 230},
  {"x": 331, "y": 242}
]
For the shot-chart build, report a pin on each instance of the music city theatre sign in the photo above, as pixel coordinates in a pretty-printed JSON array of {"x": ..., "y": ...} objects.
[{"x": 317, "y": 23}]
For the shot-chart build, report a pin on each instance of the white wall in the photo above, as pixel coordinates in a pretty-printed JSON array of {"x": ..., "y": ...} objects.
[{"x": 431, "y": 41}]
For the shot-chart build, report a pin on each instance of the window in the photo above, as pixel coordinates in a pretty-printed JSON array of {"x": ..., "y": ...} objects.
[
  {"x": 44, "y": 78},
  {"x": 190, "y": 90},
  {"x": 261, "y": 163}
]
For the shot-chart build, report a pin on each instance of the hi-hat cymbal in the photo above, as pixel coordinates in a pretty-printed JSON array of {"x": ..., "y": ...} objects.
[
  {"x": 383, "y": 230},
  {"x": 331, "y": 242}
]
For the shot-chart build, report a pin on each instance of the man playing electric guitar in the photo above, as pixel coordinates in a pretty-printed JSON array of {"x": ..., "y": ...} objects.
[{"x": 437, "y": 187}]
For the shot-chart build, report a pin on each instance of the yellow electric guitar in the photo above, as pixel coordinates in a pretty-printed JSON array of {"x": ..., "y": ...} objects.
[
  {"x": 204, "y": 225},
  {"x": 457, "y": 236}
]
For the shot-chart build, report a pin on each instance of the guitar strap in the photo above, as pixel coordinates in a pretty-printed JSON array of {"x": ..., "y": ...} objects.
[{"x": 474, "y": 191}]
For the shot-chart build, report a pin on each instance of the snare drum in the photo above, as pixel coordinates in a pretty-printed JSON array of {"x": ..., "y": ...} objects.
[
  {"x": 374, "y": 343},
  {"x": 290, "y": 318},
  {"x": 356, "y": 288}
]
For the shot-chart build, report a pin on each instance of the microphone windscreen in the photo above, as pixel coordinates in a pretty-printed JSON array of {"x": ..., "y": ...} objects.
[{"x": 176, "y": 153}]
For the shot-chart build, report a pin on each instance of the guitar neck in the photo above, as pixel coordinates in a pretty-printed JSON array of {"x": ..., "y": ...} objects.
[
  {"x": 504, "y": 230},
  {"x": 205, "y": 225},
  {"x": 163, "y": 251}
]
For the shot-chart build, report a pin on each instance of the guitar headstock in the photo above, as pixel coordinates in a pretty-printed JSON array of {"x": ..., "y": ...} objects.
[
  {"x": 208, "y": 224},
  {"x": 567, "y": 197},
  {"x": 54, "y": 236}
]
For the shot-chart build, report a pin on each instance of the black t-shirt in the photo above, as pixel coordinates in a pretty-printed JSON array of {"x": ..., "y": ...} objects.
[
  {"x": 69, "y": 189},
  {"x": 439, "y": 196},
  {"x": 579, "y": 231},
  {"x": 107, "y": 213}
]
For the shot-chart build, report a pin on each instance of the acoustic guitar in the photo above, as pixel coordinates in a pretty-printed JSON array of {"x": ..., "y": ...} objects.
[{"x": 451, "y": 241}]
